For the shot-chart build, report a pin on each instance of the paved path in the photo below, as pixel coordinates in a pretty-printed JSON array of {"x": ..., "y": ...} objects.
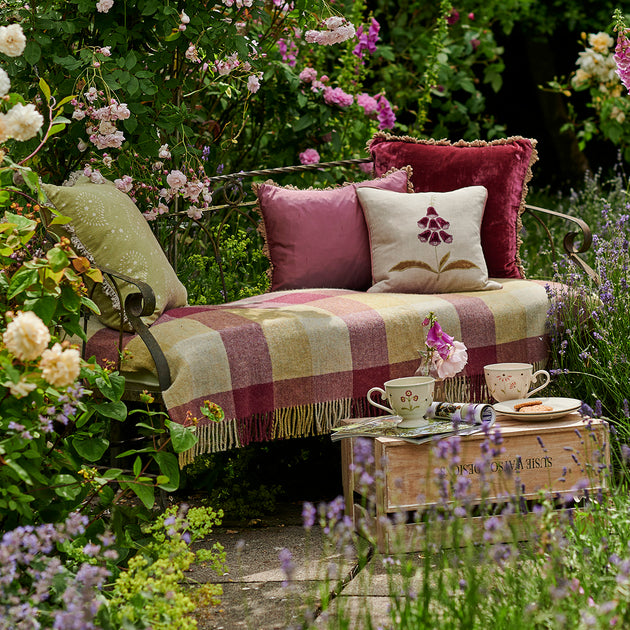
[{"x": 256, "y": 593}]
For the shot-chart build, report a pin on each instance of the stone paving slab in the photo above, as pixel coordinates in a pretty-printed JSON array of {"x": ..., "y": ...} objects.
[{"x": 256, "y": 592}]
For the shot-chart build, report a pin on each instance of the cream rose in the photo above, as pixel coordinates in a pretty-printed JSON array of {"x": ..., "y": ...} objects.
[
  {"x": 26, "y": 336},
  {"x": 60, "y": 367},
  {"x": 5, "y": 82},
  {"x": 4, "y": 128},
  {"x": 12, "y": 40},
  {"x": 20, "y": 389}
]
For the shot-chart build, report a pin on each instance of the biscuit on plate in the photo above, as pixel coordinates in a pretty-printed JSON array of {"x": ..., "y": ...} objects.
[
  {"x": 535, "y": 409},
  {"x": 528, "y": 403}
]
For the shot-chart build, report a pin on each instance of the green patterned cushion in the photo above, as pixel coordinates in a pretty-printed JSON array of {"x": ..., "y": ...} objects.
[{"x": 107, "y": 227}]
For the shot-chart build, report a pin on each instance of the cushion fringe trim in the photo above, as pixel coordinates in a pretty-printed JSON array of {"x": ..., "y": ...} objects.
[{"x": 382, "y": 136}]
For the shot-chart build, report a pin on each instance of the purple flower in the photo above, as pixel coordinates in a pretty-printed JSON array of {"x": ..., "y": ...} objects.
[
  {"x": 308, "y": 515},
  {"x": 439, "y": 340},
  {"x": 386, "y": 116},
  {"x": 363, "y": 451},
  {"x": 287, "y": 564},
  {"x": 435, "y": 227}
]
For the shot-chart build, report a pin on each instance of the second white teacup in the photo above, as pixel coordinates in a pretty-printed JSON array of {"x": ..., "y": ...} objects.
[
  {"x": 408, "y": 397},
  {"x": 509, "y": 381}
]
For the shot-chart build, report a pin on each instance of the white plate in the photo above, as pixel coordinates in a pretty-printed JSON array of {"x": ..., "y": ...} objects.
[{"x": 560, "y": 407}]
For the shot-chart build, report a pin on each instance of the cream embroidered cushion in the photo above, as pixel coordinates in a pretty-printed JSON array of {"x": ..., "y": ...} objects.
[
  {"x": 426, "y": 242},
  {"x": 107, "y": 227}
]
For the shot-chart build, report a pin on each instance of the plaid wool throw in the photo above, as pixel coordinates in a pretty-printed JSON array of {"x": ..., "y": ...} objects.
[{"x": 294, "y": 363}]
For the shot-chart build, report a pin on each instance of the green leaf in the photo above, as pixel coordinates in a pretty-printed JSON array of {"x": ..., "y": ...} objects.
[
  {"x": 43, "y": 307},
  {"x": 67, "y": 486},
  {"x": 56, "y": 129},
  {"x": 133, "y": 86},
  {"x": 145, "y": 493},
  {"x": 137, "y": 466},
  {"x": 90, "y": 448},
  {"x": 57, "y": 258},
  {"x": 182, "y": 437},
  {"x": 116, "y": 410},
  {"x": 111, "y": 386},
  {"x": 305, "y": 121},
  {"x": 24, "y": 476},
  {"x": 91, "y": 305},
  {"x": 131, "y": 61},
  {"x": 170, "y": 468},
  {"x": 22, "y": 280},
  {"x": 32, "y": 54},
  {"x": 43, "y": 86}
]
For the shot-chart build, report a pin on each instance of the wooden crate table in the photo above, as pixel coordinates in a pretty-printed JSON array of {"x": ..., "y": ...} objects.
[{"x": 553, "y": 456}]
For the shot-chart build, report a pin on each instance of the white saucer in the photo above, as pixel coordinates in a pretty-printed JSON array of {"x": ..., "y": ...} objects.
[{"x": 560, "y": 407}]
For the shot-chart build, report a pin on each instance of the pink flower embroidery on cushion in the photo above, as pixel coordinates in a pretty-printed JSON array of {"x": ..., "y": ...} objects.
[{"x": 434, "y": 228}]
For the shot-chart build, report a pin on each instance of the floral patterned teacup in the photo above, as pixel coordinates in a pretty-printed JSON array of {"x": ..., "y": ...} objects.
[
  {"x": 509, "y": 381},
  {"x": 408, "y": 397}
]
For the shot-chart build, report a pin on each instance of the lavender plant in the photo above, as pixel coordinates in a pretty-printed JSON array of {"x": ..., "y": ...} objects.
[
  {"x": 589, "y": 331},
  {"x": 473, "y": 572}
]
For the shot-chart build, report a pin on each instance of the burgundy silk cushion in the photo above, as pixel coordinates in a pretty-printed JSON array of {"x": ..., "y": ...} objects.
[
  {"x": 502, "y": 166},
  {"x": 318, "y": 238}
]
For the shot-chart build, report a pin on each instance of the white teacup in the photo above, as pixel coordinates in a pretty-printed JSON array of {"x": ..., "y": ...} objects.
[
  {"x": 408, "y": 397},
  {"x": 509, "y": 381}
]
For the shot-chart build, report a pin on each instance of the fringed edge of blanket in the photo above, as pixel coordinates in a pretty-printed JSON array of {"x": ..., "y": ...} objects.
[{"x": 315, "y": 419}]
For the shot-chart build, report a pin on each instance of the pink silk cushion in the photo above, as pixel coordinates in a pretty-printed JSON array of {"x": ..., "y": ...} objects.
[
  {"x": 502, "y": 166},
  {"x": 318, "y": 239}
]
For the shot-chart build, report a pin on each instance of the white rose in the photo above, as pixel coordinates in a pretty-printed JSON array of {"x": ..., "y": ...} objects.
[
  {"x": 164, "y": 153},
  {"x": 26, "y": 336},
  {"x": 4, "y": 128},
  {"x": 5, "y": 82},
  {"x": 60, "y": 367},
  {"x": 12, "y": 40},
  {"x": 24, "y": 121}
]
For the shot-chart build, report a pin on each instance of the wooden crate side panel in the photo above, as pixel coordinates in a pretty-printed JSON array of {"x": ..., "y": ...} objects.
[{"x": 557, "y": 462}]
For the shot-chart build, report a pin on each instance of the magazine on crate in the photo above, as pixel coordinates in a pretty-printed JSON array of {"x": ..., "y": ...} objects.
[{"x": 444, "y": 419}]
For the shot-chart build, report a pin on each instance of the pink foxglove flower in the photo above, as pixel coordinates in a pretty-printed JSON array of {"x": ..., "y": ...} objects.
[
  {"x": 443, "y": 357},
  {"x": 622, "y": 57}
]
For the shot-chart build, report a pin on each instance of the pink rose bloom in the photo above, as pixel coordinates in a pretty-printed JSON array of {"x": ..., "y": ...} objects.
[
  {"x": 454, "y": 363},
  {"x": 103, "y": 6},
  {"x": 336, "y": 96},
  {"x": 253, "y": 83},
  {"x": 176, "y": 179},
  {"x": 369, "y": 103},
  {"x": 308, "y": 74},
  {"x": 194, "y": 213},
  {"x": 125, "y": 183},
  {"x": 310, "y": 156}
]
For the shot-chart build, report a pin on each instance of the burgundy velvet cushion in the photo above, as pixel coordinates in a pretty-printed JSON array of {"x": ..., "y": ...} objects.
[
  {"x": 318, "y": 238},
  {"x": 502, "y": 166}
]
